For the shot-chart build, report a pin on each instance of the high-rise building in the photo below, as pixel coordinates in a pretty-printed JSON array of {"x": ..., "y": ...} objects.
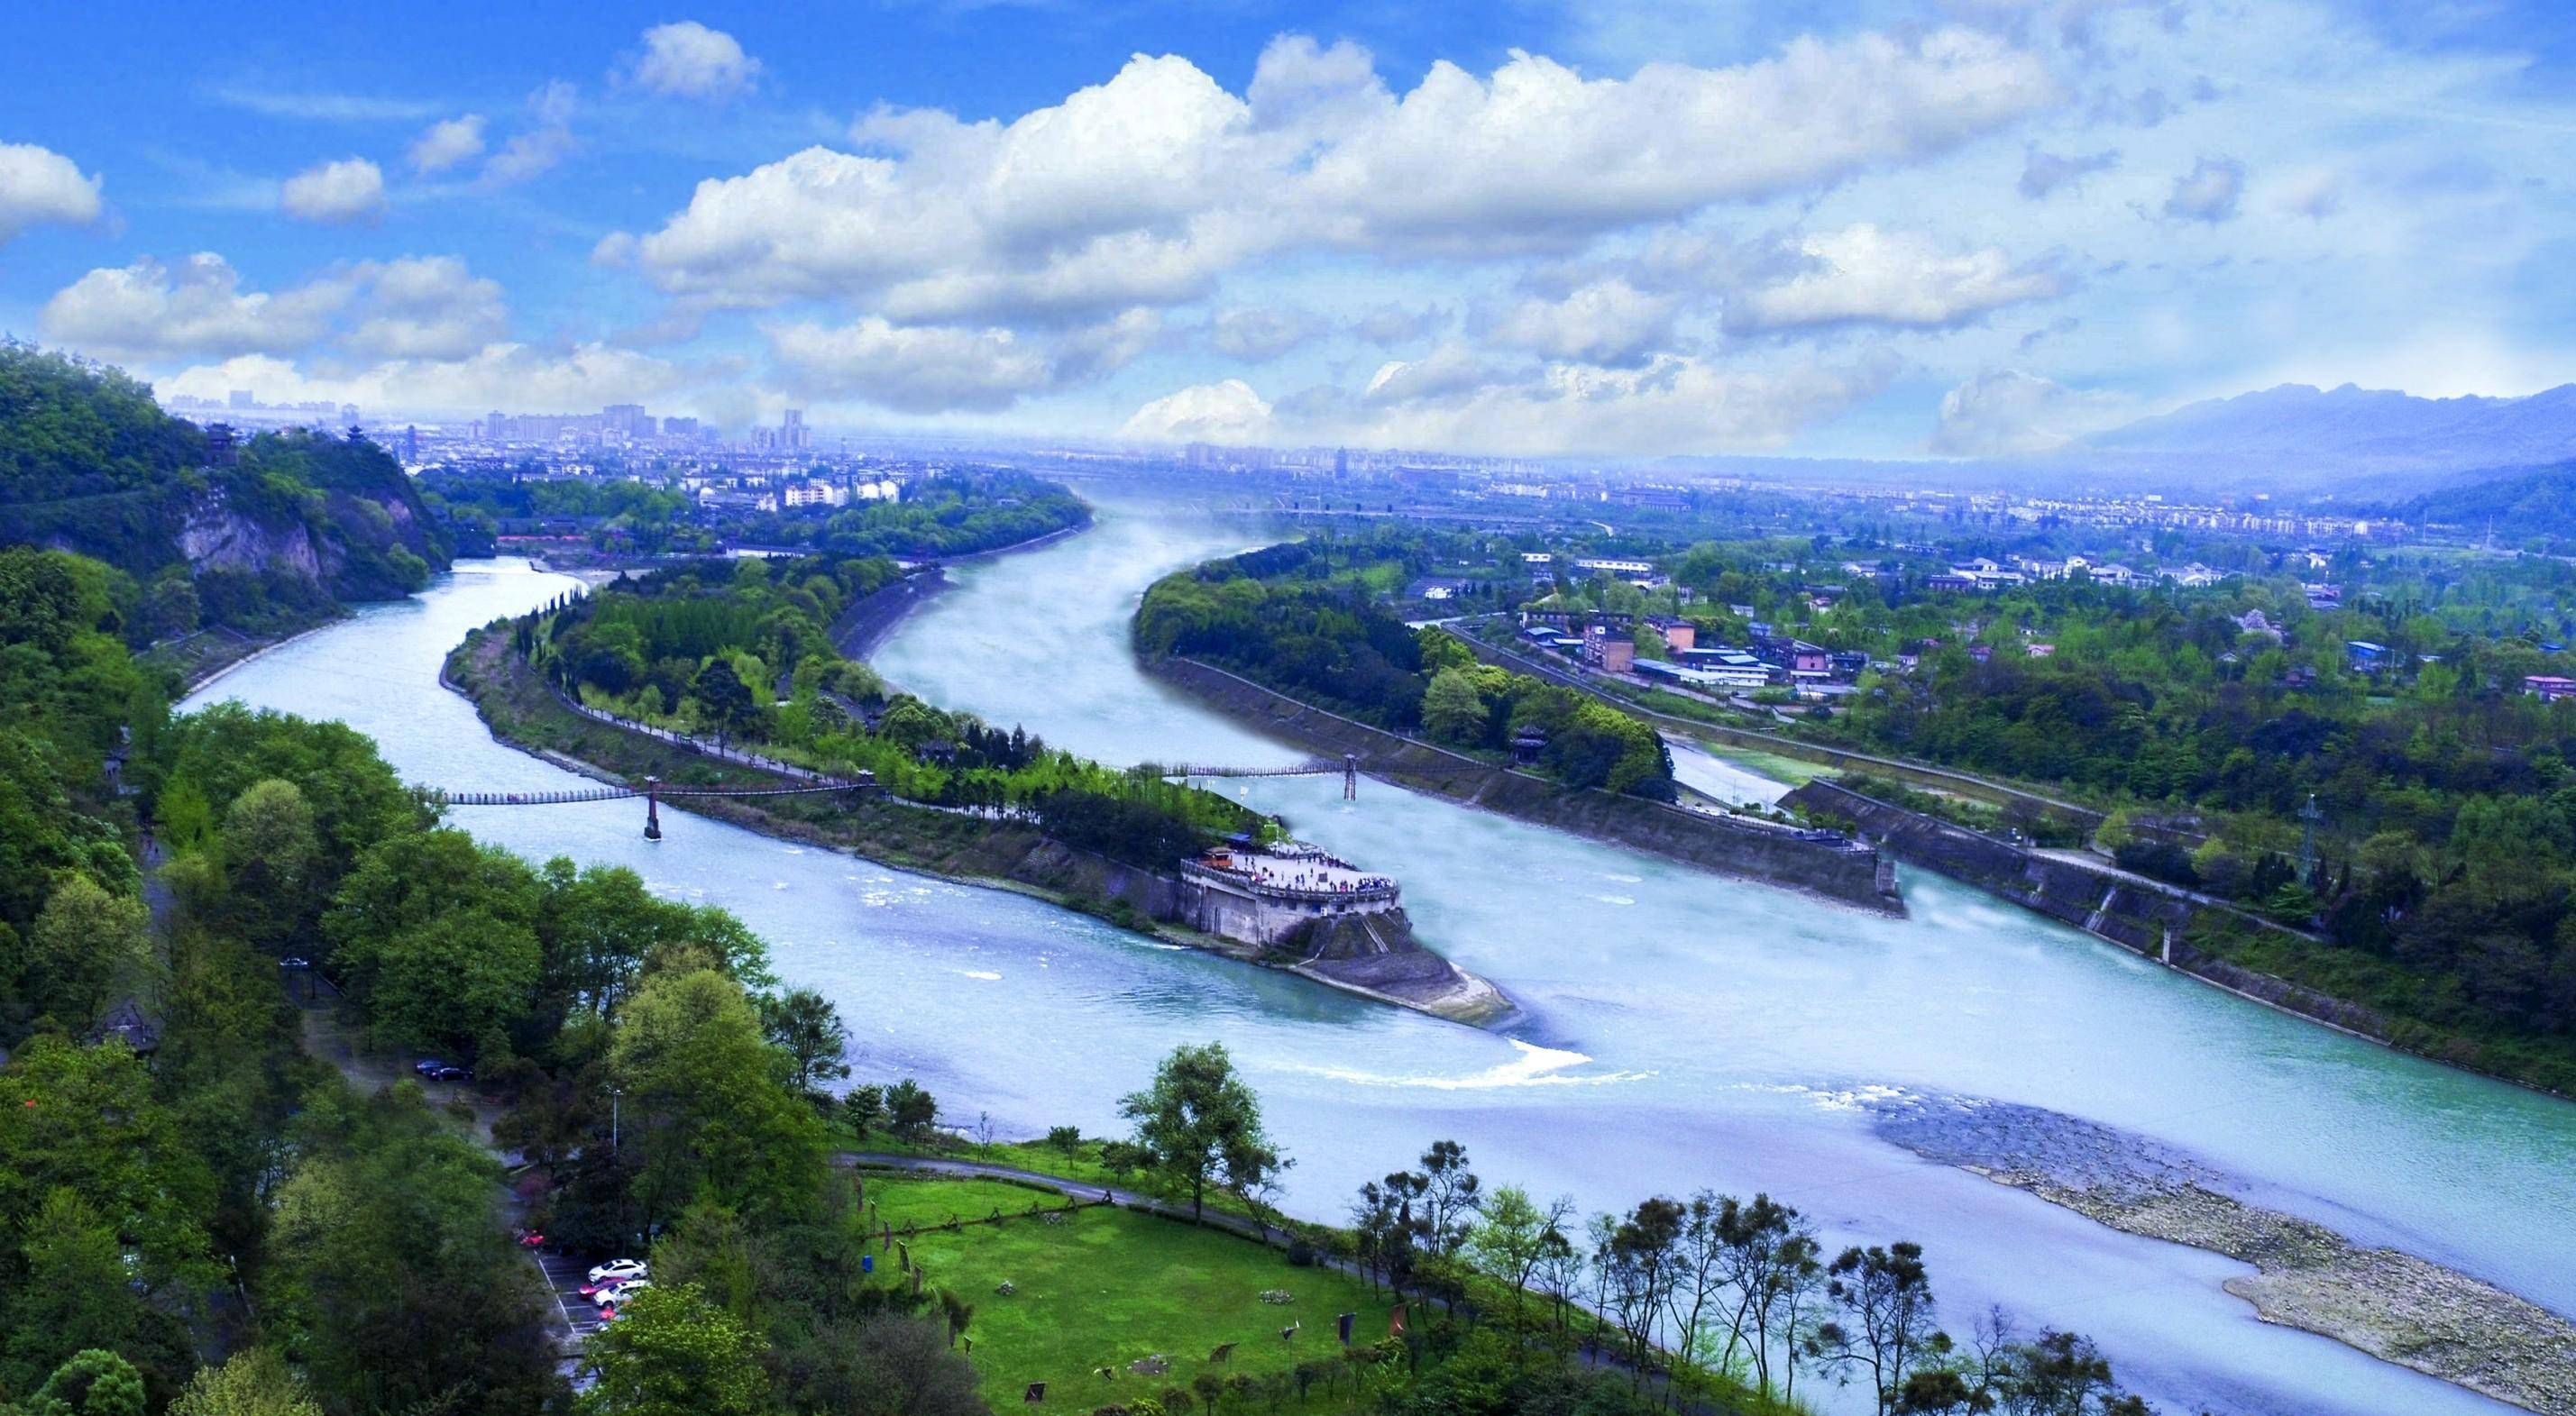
[
  {"x": 679, "y": 427},
  {"x": 241, "y": 399},
  {"x": 626, "y": 418},
  {"x": 496, "y": 426},
  {"x": 793, "y": 435}
]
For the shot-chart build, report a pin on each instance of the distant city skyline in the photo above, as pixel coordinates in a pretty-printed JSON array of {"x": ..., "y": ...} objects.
[{"x": 1900, "y": 229}]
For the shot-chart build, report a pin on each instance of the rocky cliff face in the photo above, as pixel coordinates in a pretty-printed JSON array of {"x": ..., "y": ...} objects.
[{"x": 216, "y": 537}]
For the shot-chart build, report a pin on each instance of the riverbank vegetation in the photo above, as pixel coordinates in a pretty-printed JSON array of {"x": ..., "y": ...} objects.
[
  {"x": 2391, "y": 688},
  {"x": 269, "y": 536},
  {"x": 742, "y": 652},
  {"x": 200, "y": 1212},
  {"x": 941, "y": 515},
  {"x": 1315, "y": 621}
]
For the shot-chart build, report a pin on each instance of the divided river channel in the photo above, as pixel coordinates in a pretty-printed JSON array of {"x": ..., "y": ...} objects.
[{"x": 1678, "y": 1030}]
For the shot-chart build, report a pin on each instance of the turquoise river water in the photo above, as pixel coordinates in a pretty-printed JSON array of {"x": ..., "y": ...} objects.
[{"x": 1678, "y": 1029}]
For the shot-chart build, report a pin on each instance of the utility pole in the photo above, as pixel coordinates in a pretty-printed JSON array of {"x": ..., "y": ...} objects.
[{"x": 613, "y": 1094}]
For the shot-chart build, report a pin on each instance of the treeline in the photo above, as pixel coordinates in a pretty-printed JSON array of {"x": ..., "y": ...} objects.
[
  {"x": 948, "y": 514},
  {"x": 197, "y": 1215},
  {"x": 1311, "y": 620},
  {"x": 295, "y": 524},
  {"x": 1708, "y": 1302},
  {"x": 742, "y": 652}
]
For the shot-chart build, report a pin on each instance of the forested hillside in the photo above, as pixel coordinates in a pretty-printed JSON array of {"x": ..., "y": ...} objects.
[{"x": 290, "y": 525}]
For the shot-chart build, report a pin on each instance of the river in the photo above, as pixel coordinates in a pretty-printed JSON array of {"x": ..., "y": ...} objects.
[{"x": 1680, "y": 1030}]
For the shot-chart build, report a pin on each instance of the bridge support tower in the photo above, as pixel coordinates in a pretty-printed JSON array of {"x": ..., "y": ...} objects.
[
  {"x": 1350, "y": 776},
  {"x": 652, "y": 808}
]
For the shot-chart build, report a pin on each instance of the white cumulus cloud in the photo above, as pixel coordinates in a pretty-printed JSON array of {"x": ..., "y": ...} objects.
[
  {"x": 415, "y": 307},
  {"x": 1864, "y": 274},
  {"x": 150, "y": 311},
  {"x": 688, "y": 60},
  {"x": 2002, "y": 412},
  {"x": 41, "y": 185},
  {"x": 338, "y": 193},
  {"x": 911, "y": 369},
  {"x": 1146, "y": 188},
  {"x": 1227, "y": 412},
  {"x": 1605, "y": 322},
  {"x": 447, "y": 143}
]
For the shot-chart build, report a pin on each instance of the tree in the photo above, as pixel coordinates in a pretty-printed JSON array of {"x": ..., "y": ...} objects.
[
  {"x": 804, "y": 1024},
  {"x": 1452, "y": 708},
  {"x": 1884, "y": 1298},
  {"x": 74, "y": 1295},
  {"x": 911, "y": 1109},
  {"x": 706, "y": 1099},
  {"x": 269, "y": 852},
  {"x": 84, "y": 946},
  {"x": 863, "y": 1108},
  {"x": 253, "y": 1382},
  {"x": 1200, "y": 1124},
  {"x": 1514, "y": 1236},
  {"x": 436, "y": 936},
  {"x": 726, "y": 699},
  {"x": 93, "y": 1382},
  {"x": 1451, "y": 1197},
  {"x": 672, "y": 1353},
  {"x": 387, "y": 1228}
]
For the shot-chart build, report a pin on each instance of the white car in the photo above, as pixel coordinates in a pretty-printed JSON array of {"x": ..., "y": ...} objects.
[
  {"x": 617, "y": 1271},
  {"x": 615, "y": 1295}
]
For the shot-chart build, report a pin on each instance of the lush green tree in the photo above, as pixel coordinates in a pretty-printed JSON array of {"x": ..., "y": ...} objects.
[
  {"x": 672, "y": 1353},
  {"x": 1199, "y": 1124},
  {"x": 93, "y": 1382},
  {"x": 803, "y": 1024},
  {"x": 270, "y": 852},
  {"x": 1452, "y": 709},
  {"x": 253, "y": 1382},
  {"x": 911, "y": 1109},
  {"x": 86, "y": 946},
  {"x": 436, "y": 937},
  {"x": 387, "y": 1228},
  {"x": 707, "y": 1101},
  {"x": 725, "y": 700}
]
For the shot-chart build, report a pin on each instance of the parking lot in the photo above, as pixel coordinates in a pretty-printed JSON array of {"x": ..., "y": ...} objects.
[{"x": 565, "y": 1276}]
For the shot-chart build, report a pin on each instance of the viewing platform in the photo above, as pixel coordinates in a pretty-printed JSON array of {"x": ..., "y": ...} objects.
[{"x": 1300, "y": 875}]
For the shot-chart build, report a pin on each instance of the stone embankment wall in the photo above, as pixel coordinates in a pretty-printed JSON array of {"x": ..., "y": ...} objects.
[
  {"x": 1695, "y": 838},
  {"x": 2145, "y": 918}
]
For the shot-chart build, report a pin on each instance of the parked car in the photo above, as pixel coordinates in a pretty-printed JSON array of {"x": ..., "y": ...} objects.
[
  {"x": 617, "y": 1293},
  {"x": 429, "y": 1067},
  {"x": 453, "y": 1074},
  {"x": 617, "y": 1271}
]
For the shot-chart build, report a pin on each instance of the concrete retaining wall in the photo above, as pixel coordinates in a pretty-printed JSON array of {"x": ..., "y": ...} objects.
[
  {"x": 2143, "y": 918},
  {"x": 1695, "y": 838}
]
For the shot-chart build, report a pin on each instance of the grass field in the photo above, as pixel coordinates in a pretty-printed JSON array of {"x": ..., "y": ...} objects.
[{"x": 1108, "y": 1287}]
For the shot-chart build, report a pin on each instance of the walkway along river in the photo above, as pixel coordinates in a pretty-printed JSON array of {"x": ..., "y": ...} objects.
[{"x": 1685, "y": 1030}]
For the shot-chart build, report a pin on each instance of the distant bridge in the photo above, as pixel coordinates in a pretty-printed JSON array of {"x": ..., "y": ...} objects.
[
  {"x": 652, "y": 790},
  {"x": 1348, "y": 769}
]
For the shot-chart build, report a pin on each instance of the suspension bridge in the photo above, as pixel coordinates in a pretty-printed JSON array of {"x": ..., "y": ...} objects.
[
  {"x": 1348, "y": 769},
  {"x": 654, "y": 792}
]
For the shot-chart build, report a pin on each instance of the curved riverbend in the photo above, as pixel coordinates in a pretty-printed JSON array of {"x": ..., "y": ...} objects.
[{"x": 1685, "y": 1030}]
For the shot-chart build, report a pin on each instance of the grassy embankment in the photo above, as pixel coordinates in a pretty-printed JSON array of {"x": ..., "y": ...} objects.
[{"x": 1104, "y": 1287}]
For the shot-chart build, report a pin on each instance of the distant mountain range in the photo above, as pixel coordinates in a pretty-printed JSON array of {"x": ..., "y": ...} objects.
[
  {"x": 2297, "y": 438},
  {"x": 2349, "y": 446}
]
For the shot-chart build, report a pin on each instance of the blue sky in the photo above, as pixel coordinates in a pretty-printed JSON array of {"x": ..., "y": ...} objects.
[{"x": 1889, "y": 228}]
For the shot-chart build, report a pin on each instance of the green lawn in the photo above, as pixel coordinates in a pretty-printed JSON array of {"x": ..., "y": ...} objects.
[{"x": 1107, "y": 1287}]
